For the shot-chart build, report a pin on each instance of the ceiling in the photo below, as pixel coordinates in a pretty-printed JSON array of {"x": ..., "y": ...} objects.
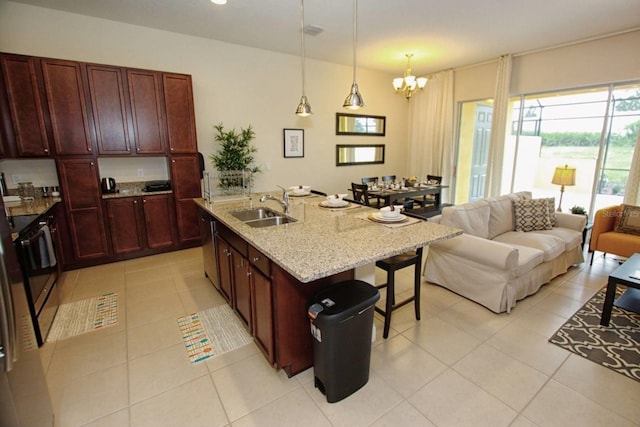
[{"x": 441, "y": 34}]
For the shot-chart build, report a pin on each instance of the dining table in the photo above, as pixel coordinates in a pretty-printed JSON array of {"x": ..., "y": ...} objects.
[{"x": 418, "y": 193}]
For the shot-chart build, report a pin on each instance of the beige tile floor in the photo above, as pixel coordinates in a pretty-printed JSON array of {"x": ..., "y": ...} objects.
[{"x": 461, "y": 365}]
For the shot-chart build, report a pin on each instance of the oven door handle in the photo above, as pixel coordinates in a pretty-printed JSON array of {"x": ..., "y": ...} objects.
[{"x": 32, "y": 239}]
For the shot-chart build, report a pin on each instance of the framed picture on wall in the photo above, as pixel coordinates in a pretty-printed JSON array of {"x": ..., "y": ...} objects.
[{"x": 293, "y": 142}]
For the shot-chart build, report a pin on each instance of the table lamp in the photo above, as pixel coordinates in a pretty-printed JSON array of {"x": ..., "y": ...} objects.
[{"x": 563, "y": 175}]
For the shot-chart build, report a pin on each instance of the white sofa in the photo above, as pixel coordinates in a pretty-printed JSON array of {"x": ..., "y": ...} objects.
[{"x": 494, "y": 265}]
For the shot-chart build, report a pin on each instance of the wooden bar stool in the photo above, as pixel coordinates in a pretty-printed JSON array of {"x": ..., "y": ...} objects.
[{"x": 391, "y": 265}]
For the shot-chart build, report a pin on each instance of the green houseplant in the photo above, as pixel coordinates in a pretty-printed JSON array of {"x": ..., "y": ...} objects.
[
  {"x": 578, "y": 210},
  {"x": 235, "y": 154}
]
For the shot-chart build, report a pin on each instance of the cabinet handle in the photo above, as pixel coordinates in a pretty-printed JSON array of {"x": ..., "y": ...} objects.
[
  {"x": 135, "y": 202},
  {"x": 91, "y": 163},
  {"x": 255, "y": 259},
  {"x": 89, "y": 149},
  {"x": 248, "y": 273},
  {"x": 46, "y": 150}
]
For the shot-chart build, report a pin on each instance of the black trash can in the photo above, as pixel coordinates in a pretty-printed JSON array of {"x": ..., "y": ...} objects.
[{"x": 341, "y": 325}]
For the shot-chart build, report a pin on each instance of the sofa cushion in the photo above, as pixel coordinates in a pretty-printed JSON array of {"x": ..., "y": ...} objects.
[
  {"x": 530, "y": 215},
  {"x": 500, "y": 215},
  {"x": 629, "y": 220},
  {"x": 551, "y": 246},
  {"x": 472, "y": 218},
  {"x": 571, "y": 238}
]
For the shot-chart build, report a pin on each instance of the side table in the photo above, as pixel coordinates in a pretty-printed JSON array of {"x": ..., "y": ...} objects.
[
  {"x": 622, "y": 276},
  {"x": 588, "y": 226}
]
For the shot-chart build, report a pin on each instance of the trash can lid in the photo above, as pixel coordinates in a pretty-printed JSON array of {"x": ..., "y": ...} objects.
[{"x": 343, "y": 299}]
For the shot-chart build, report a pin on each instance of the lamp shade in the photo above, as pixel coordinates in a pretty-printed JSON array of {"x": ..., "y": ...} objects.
[{"x": 564, "y": 175}]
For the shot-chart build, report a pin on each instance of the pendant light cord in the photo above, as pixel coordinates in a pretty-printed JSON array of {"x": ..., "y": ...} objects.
[
  {"x": 355, "y": 36},
  {"x": 302, "y": 43}
]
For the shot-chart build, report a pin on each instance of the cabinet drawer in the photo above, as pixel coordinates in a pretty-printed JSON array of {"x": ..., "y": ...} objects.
[
  {"x": 260, "y": 261},
  {"x": 233, "y": 239}
]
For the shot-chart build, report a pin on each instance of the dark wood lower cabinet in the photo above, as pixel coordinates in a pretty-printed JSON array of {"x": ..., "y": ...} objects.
[
  {"x": 271, "y": 301},
  {"x": 79, "y": 183},
  {"x": 140, "y": 223},
  {"x": 242, "y": 286}
]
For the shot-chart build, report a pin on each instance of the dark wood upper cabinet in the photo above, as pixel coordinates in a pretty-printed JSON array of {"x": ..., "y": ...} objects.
[
  {"x": 181, "y": 129},
  {"x": 23, "y": 119},
  {"x": 68, "y": 110},
  {"x": 147, "y": 110},
  {"x": 110, "y": 109}
]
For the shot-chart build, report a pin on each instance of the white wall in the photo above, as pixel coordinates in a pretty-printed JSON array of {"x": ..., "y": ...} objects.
[{"x": 233, "y": 85}]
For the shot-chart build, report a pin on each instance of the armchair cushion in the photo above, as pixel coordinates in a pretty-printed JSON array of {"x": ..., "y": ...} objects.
[{"x": 629, "y": 220}]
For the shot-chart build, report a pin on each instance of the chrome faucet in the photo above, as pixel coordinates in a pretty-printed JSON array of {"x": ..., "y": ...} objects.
[{"x": 284, "y": 202}]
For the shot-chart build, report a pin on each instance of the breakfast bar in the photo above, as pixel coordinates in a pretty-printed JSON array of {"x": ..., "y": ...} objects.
[{"x": 322, "y": 246}]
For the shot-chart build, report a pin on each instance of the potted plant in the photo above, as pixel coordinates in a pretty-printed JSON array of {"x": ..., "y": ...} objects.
[
  {"x": 234, "y": 156},
  {"x": 578, "y": 210}
]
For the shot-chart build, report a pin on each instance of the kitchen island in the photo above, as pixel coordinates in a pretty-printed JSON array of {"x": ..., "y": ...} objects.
[{"x": 323, "y": 247}]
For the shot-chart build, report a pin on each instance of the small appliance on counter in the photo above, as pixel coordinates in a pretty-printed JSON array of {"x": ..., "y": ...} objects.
[
  {"x": 108, "y": 185},
  {"x": 151, "y": 186}
]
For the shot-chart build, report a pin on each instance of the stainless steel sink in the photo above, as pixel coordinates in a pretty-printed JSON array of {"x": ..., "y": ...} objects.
[{"x": 261, "y": 217}]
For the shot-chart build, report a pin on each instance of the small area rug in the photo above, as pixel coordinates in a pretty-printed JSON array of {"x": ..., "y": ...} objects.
[
  {"x": 84, "y": 316},
  {"x": 616, "y": 346},
  {"x": 212, "y": 332}
]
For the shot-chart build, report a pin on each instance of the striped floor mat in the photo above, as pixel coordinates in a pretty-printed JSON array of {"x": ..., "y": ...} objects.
[
  {"x": 84, "y": 316},
  {"x": 212, "y": 332}
]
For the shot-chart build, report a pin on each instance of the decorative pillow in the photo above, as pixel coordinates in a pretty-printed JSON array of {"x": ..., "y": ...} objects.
[
  {"x": 552, "y": 210},
  {"x": 629, "y": 220},
  {"x": 532, "y": 214}
]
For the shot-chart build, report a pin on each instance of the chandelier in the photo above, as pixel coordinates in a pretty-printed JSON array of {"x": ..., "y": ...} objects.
[{"x": 409, "y": 83}]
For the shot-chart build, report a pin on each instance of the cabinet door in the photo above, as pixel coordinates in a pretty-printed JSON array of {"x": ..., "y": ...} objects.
[
  {"x": 241, "y": 286},
  {"x": 145, "y": 94},
  {"x": 79, "y": 186},
  {"x": 125, "y": 225},
  {"x": 181, "y": 123},
  {"x": 22, "y": 108},
  {"x": 110, "y": 110},
  {"x": 159, "y": 220},
  {"x": 262, "y": 299},
  {"x": 185, "y": 180},
  {"x": 67, "y": 104},
  {"x": 223, "y": 251}
]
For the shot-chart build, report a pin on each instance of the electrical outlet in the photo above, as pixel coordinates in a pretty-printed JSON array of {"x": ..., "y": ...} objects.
[
  {"x": 140, "y": 173},
  {"x": 16, "y": 178}
]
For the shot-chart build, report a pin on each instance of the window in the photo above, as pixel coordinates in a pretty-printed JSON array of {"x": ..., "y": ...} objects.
[{"x": 594, "y": 130}]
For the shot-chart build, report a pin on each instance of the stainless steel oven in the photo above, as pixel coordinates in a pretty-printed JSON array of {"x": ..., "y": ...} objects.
[{"x": 36, "y": 250}]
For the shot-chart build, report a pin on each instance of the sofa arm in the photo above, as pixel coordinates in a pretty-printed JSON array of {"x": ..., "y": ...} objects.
[
  {"x": 574, "y": 221},
  {"x": 482, "y": 251}
]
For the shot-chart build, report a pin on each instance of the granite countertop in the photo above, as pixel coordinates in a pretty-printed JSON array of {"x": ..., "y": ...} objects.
[
  {"x": 39, "y": 206},
  {"x": 325, "y": 241},
  {"x": 132, "y": 189}
]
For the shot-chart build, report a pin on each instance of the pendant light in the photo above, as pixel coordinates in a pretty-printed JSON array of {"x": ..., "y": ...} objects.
[
  {"x": 354, "y": 100},
  {"x": 304, "y": 108}
]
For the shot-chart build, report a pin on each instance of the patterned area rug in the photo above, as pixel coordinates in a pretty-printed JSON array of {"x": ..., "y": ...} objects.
[
  {"x": 212, "y": 332},
  {"x": 616, "y": 346},
  {"x": 84, "y": 316}
]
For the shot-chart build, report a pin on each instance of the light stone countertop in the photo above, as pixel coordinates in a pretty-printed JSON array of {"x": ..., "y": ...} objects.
[
  {"x": 39, "y": 206},
  {"x": 325, "y": 241}
]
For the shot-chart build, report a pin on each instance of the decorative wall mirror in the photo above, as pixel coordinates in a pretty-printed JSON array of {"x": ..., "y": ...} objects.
[
  {"x": 357, "y": 124},
  {"x": 347, "y": 155}
]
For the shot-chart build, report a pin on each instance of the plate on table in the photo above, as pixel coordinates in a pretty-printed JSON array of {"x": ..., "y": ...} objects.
[
  {"x": 340, "y": 204},
  {"x": 296, "y": 191},
  {"x": 378, "y": 217}
]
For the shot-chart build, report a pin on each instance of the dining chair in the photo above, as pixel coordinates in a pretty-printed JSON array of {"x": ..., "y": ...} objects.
[
  {"x": 360, "y": 193},
  {"x": 433, "y": 180},
  {"x": 388, "y": 178},
  {"x": 371, "y": 180}
]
